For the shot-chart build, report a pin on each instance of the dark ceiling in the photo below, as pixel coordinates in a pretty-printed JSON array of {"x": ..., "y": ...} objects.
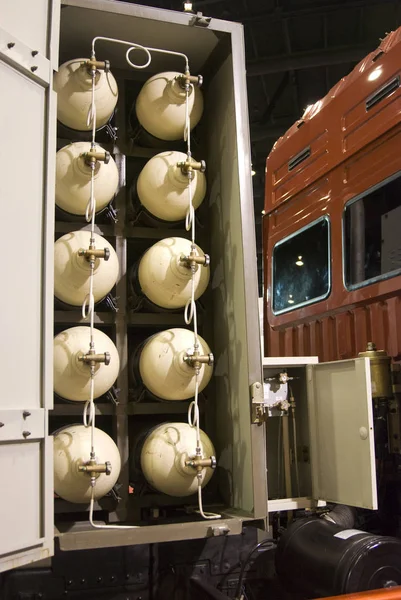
[{"x": 296, "y": 50}]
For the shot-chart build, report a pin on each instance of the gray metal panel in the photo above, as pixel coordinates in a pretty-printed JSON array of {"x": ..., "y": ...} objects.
[
  {"x": 82, "y": 538},
  {"x": 82, "y": 21},
  {"x": 27, "y": 21},
  {"x": 234, "y": 284},
  {"x": 27, "y": 190},
  {"x": 341, "y": 433},
  {"x": 253, "y": 333}
]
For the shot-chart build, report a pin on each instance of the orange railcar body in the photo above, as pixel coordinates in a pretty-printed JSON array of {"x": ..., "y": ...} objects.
[{"x": 345, "y": 144}]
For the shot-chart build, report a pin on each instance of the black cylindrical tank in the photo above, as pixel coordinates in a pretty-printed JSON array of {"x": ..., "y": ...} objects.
[{"x": 320, "y": 559}]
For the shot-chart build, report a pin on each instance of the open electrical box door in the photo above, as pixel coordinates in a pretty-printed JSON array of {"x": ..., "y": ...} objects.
[{"x": 321, "y": 448}]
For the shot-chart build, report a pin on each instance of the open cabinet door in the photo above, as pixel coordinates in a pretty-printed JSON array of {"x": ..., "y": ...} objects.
[
  {"x": 28, "y": 52},
  {"x": 341, "y": 430}
]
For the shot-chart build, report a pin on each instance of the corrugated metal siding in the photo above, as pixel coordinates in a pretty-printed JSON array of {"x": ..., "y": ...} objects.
[{"x": 341, "y": 335}]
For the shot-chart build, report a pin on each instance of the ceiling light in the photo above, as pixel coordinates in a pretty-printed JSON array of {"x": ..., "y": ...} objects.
[
  {"x": 253, "y": 172},
  {"x": 187, "y": 6},
  {"x": 290, "y": 299},
  {"x": 299, "y": 262}
]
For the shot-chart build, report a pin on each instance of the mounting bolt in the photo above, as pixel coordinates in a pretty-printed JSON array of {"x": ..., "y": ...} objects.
[
  {"x": 1, "y": 424},
  {"x": 26, "y": 414},
  {"x": 26, "y": 433},
  {"x": 10, "y": 45},
  {"x": 33, "y": 69},
  {"x": 34, "y": 52}
]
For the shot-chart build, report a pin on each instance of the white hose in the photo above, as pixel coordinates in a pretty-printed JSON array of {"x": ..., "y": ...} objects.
[
  {"x": 98, "y": 526},
  {"x": 145, "y": 49},
  {"x": 190, "y": 313}
]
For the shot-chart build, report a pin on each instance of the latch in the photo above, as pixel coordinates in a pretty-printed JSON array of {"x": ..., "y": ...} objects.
[
  {"x": 259, "y": 405},
  {"x": 199, "y": 20}
]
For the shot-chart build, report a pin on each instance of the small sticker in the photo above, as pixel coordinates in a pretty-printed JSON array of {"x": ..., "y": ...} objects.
[{"x": 347, "y": 533}]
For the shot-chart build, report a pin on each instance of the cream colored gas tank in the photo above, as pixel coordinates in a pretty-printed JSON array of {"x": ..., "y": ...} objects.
[
  {"x": 72, "y": 447},
  {"x": 164, "y": 279},
  {"x": 163, "y": 188},
  {"x": 163, "y": 456},
  {"x": 71, "y": 375},
  {"x": 160, "y": 106},
  {"x": 73, "y": 179},
  {"x": 163, "y": 369},
  {"x": 72, "y": 272},
  {"x": 73, "y": 84}
]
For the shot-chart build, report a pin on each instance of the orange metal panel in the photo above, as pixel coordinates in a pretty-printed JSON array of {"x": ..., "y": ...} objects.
[
  {"x": 383, "y": 594},
  {"x": 338, "y": 125}
]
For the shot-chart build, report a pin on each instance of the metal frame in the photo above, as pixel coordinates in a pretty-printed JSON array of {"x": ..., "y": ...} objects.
[{"x": 232, "y": 520}]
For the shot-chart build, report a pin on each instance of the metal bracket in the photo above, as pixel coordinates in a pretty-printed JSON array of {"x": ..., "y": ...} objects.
[
  {"x": 218, "y": 530},
  {"x": 258, "y": 404},
  {"x": 199, "y": 20}
]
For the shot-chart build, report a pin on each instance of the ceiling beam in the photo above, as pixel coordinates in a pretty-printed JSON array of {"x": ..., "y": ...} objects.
[
  {"x": 307, "y": 60},
  {"x": 317, "y": 9},
  {"x": 273, "y": 132}
]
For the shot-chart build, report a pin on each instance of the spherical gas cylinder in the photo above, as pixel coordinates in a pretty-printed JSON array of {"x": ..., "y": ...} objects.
[
  {"x": 72, "y": 272},
  {"x": 163, "y": 369},
  {"x": 163, "y": 456},
  {"x": 71, "y": 375},
  {"x": 165, "y": 279},
  {"x": 160, "y": 106},
  {"x": 72, "y": 447},
  {"x": 162, "y": 187},
  {"x": 73, "y": 84},
  {"x": 73, "y": 179}
]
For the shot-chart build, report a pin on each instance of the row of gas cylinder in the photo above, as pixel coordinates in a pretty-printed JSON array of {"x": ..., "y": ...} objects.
[{"x": 160, "y": 275}]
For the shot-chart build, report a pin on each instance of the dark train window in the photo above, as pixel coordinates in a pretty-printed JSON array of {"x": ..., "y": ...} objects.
[
  {"x": 372, "y": 235},
  {"x": 301, "y": 267}
]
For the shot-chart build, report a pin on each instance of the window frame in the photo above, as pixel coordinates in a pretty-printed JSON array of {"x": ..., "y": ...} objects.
[
  {"x": 283, "y": 241},
  {"x": 356, "y": 286}
]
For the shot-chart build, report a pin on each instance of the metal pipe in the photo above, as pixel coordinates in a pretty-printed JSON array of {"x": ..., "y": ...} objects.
[{"x": 287, "y": 460}]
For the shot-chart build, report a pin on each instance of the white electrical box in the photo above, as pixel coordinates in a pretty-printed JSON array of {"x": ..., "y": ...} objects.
[{"x": 320, "y": 443}]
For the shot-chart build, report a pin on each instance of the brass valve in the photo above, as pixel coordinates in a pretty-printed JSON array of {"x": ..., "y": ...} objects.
[
  {"x": 92, "y": 157},
  {"x": 92, "y": 253},
  {"x": 93, "y": 468},
  {"x": 193, "y": 259},
  {"x": 281, "y": 378},
  {"x": 196, "y": 359},
  {"x": 186, "y": 79},
  {"x": 199, "y": 463},
  {"x": 92, "y": 359},
  {"x": 94, "y": 65},
  {"x": 189, "y": 166}
]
